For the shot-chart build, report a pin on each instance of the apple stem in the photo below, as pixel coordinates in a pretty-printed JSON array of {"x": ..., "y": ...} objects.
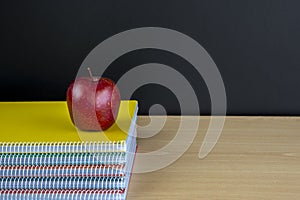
[{"x": 91, "y": 75}]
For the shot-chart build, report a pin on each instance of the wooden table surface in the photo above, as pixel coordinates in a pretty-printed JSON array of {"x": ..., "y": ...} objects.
[{"x": 255, "y": 158}]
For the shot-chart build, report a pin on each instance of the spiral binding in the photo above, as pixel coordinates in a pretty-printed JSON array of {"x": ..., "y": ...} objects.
[
  {"x": 62, "y": 159},
  {"x": 62, "y": 171},
  {"x": 62, "y": 183},
  {"x": 62, "y": 194},
  {"x": 65, "y": 147}
]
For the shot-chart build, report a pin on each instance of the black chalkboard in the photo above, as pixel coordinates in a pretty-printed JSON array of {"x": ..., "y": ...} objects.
[{"x": 255, "y": 44}]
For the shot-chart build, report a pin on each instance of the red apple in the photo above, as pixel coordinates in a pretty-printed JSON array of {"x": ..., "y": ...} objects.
[{"x": 93, "y": 103}]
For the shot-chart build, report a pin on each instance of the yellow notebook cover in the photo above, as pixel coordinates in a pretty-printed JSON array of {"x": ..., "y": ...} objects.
[{"x": 49, "y": 122}]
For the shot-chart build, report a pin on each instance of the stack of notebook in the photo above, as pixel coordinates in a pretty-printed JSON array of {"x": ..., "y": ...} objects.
[{"x": 43, "y": 156}]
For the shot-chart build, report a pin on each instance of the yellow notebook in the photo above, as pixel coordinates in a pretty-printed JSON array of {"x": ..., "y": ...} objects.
[{"x": 41, "y": 126}]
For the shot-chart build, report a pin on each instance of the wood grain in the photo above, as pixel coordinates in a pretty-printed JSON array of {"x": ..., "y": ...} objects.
[{"x": 255, "y": 158}]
